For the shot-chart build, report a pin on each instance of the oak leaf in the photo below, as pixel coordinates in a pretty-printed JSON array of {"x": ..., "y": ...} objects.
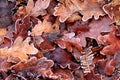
[
  {"x": 19, "y": 49},
  {"x": 63, "y": 58},
  {"x": 113, "y": 10},
  {"x": 69, "y": 41},
  {"x": 41, "y": 27},
  {"x": 91, "y": 29},
  {"x": 66, "y": 9},
  {"x": 63, "y": 74},
  {"x": 21, "y": 27},
  {"x": 111, "y": 42},
  {"x": 91, "y": 8},
  {"x": 33, "y": 68},
  {"x": 37, "y": 8}
]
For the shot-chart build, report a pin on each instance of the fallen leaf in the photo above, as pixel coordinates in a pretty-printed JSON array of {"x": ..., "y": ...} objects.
[
  {"x": 37, "y": 8},
  {"x": 91, "y": 8},
  {"x": 113, "y": 10},
  {"x": 19, "y": 49},
  {"x": 41, "y": 27},
  {"x": 111, "y": 42},
  {"x": 63, "y": 74},
  {"x": 64, "y": 59},
  {"x": 33, "y": 68},
  {"x": 66, "y": 9}
]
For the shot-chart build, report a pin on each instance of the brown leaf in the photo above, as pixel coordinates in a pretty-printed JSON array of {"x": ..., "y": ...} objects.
[
  {"x": 37, "y": 8},
  {"x": 92, "y": 76},
  {"x": 64, "y": 59},
  {"x": 41, "y": 27},
  {"x": 109, "y": 69},
  {"x": 106, "y": 66},
  {"x": 69, "y": 41},
  {"x": 91, "y": 8},
  {"x": 47, "y": 46},
  {"x": 113, "y": 10},
  {"x": 33, "y": 68},
  {"x": 63, "y": 74},
  {"x": 3, "y": 32},
  {"x": 91, "y": 29},
  {"x": 21, "y": 27},
  {"x": 111, "y": 43},
  {"x": 19, "y": 49},
  {"x": 66, "y": 9}
]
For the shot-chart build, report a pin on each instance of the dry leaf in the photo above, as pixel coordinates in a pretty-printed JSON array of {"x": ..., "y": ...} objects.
[
  {"x": 65, "y": 10},
  {"x": 113, "y": 10},
  {"x": 111, "y": 42},
  {"x": 41, "y": 27},
  {"x": 63, "y": 74},
  {"x": 3, "y": 32},
  {"x": 87, "y": 8},
  {"x": 91, "y": 8},
  {"x": 33, "y": 68},
  {"x": 37, "y": 8},
  {"x": 19, "y": 49}
]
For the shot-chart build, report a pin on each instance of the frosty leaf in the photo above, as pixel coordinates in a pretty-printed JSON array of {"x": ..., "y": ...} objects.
[
  {"x": 91, "y": 8},
  {"x": 92, "y": 29},
  {"x": 106, "y": 66},
  {"x": 6, "y": 42},
  {"x": 65, "y": 10},
  {"x": 92, "y": 76},
  {"x": 29, "y": 6},
  {"x": 68, "y": 41},
  {"x": 69, "y": 7},
  {"x": 74, "y": 17},
  {"x": 47, "y": 46},
  {"x": 33, "y": 68},
  {"x": 109, "y": 69},
  {"x": 64, "y": 59},
  {"x": 113, "y": 10},
  {"x": 19, "y": 49},
  {"x": 37, "y": 8},
  {"x": 3, "y": 32},
  {"x": 21, "y": 27},
  {"x": 4, "y": 65},
  {"x": 78, "y": 74},
  {"x": 63, "y": 74},
  {"x": 41, "y": 27},
  {"x": 112, "y": 43}
]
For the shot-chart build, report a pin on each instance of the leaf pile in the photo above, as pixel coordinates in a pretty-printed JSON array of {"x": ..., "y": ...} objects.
[{"x": 59, "y": 40}]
